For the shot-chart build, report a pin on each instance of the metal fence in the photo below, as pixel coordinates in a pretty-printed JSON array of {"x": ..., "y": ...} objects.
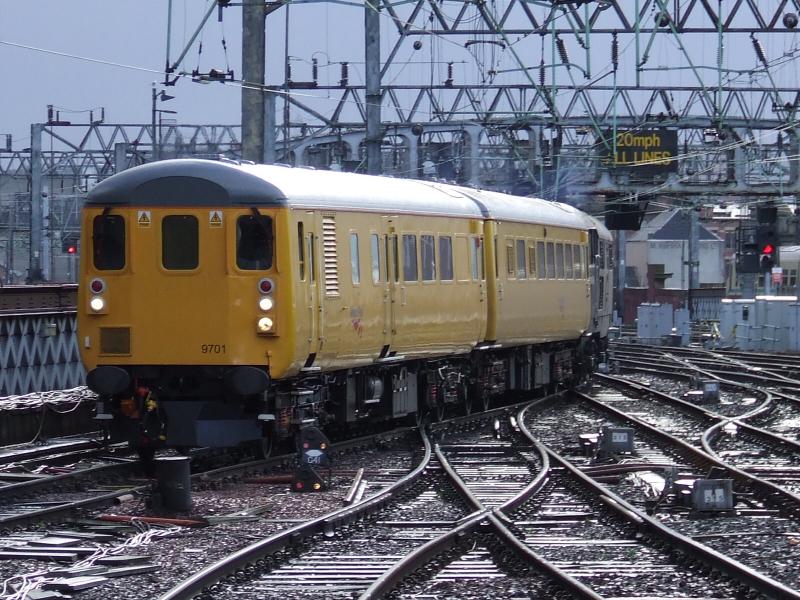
[{"x": 39, "y": 352}]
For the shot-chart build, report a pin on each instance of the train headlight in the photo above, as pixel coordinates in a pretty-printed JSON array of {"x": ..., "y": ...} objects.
[
  {"x": 97, "y": 304},
  {"x": 266, "y": 303},
  {"x": 265, "y": 325}
]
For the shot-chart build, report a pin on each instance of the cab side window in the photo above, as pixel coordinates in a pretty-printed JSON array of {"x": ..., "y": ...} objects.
[
  {"x": 355, "y": 265},
  {"x": 108, "y": 242},
  {"x": 180, "y": 246},
  {"x": 254, "y": 242}
]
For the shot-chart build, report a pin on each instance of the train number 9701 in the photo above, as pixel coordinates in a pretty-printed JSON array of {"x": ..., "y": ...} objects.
[{"x": 212, "y": 348}]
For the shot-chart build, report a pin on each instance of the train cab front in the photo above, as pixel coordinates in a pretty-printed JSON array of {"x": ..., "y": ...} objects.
[{"x": 178, "y": 317}]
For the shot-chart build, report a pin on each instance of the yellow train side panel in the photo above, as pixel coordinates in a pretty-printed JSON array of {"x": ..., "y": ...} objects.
[
  {"x": 362, "y": 306},
  {"x": 530, "y": 309}
]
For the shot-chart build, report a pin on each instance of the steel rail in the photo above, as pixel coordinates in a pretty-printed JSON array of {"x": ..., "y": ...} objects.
[
  {"x": 478, "y": 520},
  {"x": 214, "y": 573},
  {"x": 714, "y": 430},
  {"x": 790, "y": 501},
  {"x": 714, "y": 559}
]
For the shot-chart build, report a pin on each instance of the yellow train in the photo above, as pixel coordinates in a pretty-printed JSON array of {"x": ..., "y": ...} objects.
[{"x": 223, "y": 302}]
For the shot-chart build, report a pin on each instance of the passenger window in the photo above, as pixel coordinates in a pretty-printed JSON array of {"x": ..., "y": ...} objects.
[
  {"x": 179, "y": 242},
  {"x": 355, "y": 267},
  {"x": 410, "y": 258},
  {"x": 428, "y": 250},
  {"x": 445, "y": 258},
  {"x": 476, "y": 256},
  {"x": 551, "y": 260},
  {"x": 510, "y": 259},
  {"x": 541, "y": 257},
  {"x": 108, "y": 242},
  {"x": 301, "y": 251},
  {"x": 253, "y": 242},
  {"x": 559, "y": 261},
  {"x": 568, "y": 261},
  {"x": 462, "y": 259},
  {"x": 532, "y": 261},
  {"x": 377, "y": 264},
  {"x": 522, "y": 271}
]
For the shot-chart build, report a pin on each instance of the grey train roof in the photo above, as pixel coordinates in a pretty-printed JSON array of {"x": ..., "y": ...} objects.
[{"x": 193, "y": 182}]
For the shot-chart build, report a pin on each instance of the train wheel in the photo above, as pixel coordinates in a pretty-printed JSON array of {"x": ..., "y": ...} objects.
[{"x": 264, "y": 447}]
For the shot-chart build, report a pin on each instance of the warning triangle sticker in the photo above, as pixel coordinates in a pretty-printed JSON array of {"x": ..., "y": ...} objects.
[
  {"x": 215, "y": 218},
  {"x": 143, "y": 219}
]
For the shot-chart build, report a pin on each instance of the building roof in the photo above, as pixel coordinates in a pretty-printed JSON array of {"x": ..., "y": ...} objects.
[{"x": 670, "y": 225}]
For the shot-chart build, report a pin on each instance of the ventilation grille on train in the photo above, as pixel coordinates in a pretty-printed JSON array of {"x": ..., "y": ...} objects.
[
  {"x": 115, "y": 340},
  {"x": 330, "y": 261}
]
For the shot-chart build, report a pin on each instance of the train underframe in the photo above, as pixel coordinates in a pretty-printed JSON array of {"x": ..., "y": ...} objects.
[{"x": 195, "y": 406}]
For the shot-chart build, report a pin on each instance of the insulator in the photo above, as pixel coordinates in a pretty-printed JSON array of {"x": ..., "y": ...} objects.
[
  {"x": 288, "y": 71},
  {"x": 562, "y": 51},
  {"x": 780, "y": 140},
  {"x": 541, "y": 73},
  {"x": 450, "y": 71},
  {"x": 759, "y": 50},
  {"x": 345, "y": 75},
  {"x": 614, "y": 50},
  {"x": 314, "y": 69}
]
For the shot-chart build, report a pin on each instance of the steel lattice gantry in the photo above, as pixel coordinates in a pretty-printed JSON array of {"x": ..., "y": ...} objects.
[{"x": 529, "y": 92}]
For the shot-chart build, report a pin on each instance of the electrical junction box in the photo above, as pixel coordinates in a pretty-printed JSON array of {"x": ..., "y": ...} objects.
[
  {"x": 616, "y": 440},
  {"x": 712, "y": 494},
  {"x": 710, "y": 390}
]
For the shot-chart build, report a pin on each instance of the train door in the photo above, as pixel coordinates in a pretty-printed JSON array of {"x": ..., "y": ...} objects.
[
  {"x": 313, "y": 302},
  {"x": 384, "y": 250},
  {"x": 595, "y": 278}
]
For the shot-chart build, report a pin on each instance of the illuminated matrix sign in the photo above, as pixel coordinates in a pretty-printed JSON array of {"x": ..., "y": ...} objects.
[{"x": 644, "y": 151}]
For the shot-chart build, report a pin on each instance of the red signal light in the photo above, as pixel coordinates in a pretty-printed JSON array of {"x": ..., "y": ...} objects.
[
  {"x": 768, "y": 249},
  {"x": 71, "y": 249}
]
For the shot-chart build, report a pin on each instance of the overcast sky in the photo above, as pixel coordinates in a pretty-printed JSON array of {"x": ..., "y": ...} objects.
[
  {"x": 128, "y": 40},
  {"x": 112, "y": 50}
]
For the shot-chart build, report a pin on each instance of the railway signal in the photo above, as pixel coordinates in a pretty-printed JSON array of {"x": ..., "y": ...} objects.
[
  {"x": 69, "y": 243},
  {"x": 767, "y": 254}
]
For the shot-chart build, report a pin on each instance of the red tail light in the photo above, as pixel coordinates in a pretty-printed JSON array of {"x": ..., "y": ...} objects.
[
  {"x": 97, "y": 286},
  {"x": 265, "y": 285}
]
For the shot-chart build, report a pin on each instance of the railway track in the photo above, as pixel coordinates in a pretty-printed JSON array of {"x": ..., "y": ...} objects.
[
  {"x": 526, "y": 522},
  {"x": 661, "y": 457}
]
